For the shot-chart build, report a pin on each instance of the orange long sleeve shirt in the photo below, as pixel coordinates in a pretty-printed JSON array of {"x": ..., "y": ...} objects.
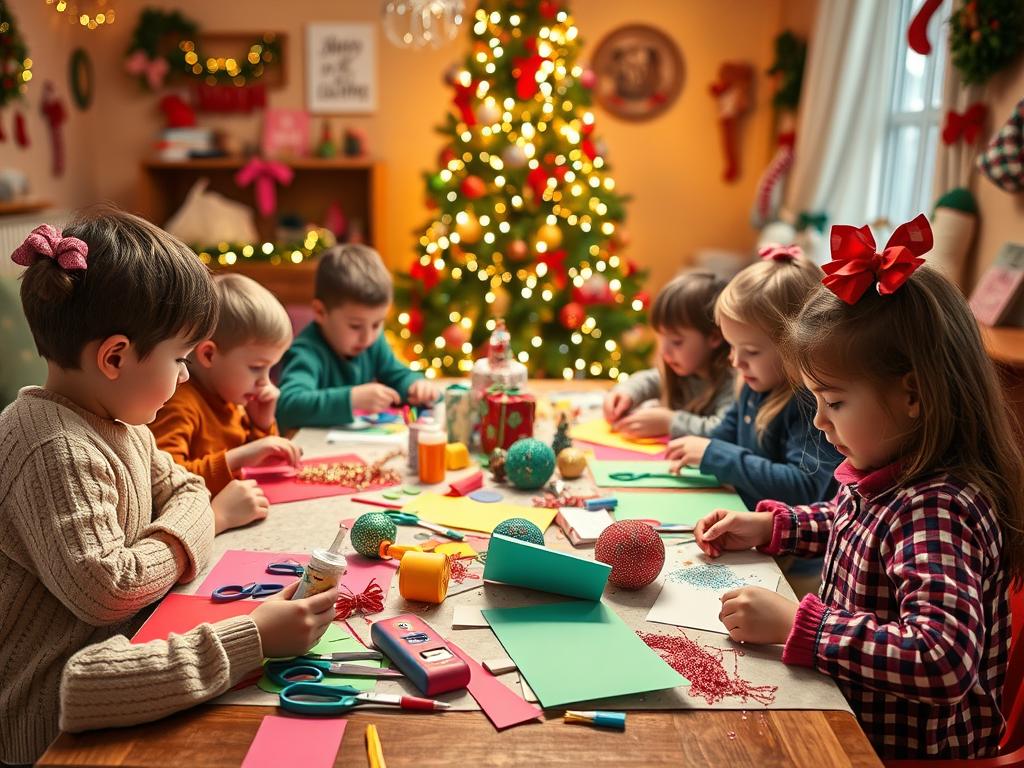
[{"x": 198, "y": 429}]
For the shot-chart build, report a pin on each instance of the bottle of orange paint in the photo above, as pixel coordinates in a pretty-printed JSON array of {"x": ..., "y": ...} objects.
[{"x": 431, "y": 446}]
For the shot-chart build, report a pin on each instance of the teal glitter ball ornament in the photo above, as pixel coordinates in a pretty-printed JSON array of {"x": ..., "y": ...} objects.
[
  {"x": 530, "y": 463},
  {"x": 520, "y": 528},
  {"x": 369, "y": 531}
]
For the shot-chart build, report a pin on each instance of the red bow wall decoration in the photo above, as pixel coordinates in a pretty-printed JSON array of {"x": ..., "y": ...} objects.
[{"x": 966, "y": 125}]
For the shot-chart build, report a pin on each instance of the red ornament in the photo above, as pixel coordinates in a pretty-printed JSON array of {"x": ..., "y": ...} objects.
[
  {"x": 525, "y": 69},
  {"x": 634, "y": 551},
  {"x": 517, "y": 250},
  {"x": 572, "y": 315},
  {"x": 548, "y": 9},
  {"x": 415, "y": 324},
  {"x": 537, "y": 178},
  {"x": 644, "y": 298},
  {"x": 463, "y": 100},
  {"x": 555, "y": 261},
  {"x": 588, "y": 79},
  {"x": 446, "y": 156},
  {"x": 425, "y": 274},
  {"x": 454, "y": 336},
  {"x": 473, "y": 187}
]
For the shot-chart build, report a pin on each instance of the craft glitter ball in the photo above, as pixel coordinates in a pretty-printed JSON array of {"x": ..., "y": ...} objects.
[
  {"x": 634, "y": 551},
  {"x": 571, "y": 463},
  {"x": 529, "y": 464},
  {"x": 520, "y": 528},
  {"x": 369, "y": 531}
]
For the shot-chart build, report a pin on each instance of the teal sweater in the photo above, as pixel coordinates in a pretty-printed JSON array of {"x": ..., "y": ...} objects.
[{"x": 316, "y": 384}]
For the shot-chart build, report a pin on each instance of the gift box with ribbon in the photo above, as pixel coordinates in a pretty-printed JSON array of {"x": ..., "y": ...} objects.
[
  {"x": 461, "y": 415},
  {"x": 508, "y": 416}
]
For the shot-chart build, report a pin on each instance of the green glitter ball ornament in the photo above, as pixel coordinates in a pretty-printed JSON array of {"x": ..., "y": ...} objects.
[
  {"x": 530, "y": 463},
  {"x": 369, "y": 531},
  {"x": 520, "y": 528}
]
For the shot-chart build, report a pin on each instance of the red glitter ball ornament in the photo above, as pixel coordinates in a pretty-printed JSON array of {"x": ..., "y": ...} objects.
[{"x": 634, "y": 551}]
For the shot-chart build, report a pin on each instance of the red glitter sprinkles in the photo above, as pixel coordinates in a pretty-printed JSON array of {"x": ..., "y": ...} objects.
[
  {"x": 704, "y": 668},
  {"x": 460, "y": 570}
]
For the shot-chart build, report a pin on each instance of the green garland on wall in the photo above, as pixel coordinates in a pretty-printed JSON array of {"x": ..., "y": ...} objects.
[
  {"x": 15, "y": 64},
  {"x": 985, "y": 36}
]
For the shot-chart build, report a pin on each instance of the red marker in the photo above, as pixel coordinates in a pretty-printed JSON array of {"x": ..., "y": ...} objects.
[{"x": 405, "y": 702}]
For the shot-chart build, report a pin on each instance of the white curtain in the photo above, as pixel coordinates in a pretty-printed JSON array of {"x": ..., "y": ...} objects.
[
  {"x": 954, "y": 163},
  {"x": 847, "y": 92}
]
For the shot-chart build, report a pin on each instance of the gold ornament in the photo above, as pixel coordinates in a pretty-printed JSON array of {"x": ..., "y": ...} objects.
[
  {"x": 571, "y": 463},
  {"x": 502, "y": 299},
  {"x": 469, "y": 230},
  {"x": 550, "y": 235}
]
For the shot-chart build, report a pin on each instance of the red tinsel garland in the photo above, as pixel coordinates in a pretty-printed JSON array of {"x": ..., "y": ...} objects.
[{"x": 370, "y": 600}]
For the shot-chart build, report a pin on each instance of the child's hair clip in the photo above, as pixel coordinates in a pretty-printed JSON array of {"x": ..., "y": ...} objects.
[
  {"x": 856, "y": 266},
  {"x": 46, "y": 241},
  {"x": 776, "y": 252}
]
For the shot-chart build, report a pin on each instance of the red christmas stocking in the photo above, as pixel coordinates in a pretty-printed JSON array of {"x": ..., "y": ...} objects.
[
  {"x": 53, "y": 110},
  {"x": 20, "y": 132},
  {"x": 917, "y": 32}
]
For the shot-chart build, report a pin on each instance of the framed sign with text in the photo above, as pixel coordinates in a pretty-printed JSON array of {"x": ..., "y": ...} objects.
[{"x": 341, "y": 68}]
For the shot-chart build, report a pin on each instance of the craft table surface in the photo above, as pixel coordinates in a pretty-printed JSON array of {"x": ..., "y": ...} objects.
[{"x": 220, "y": 734}]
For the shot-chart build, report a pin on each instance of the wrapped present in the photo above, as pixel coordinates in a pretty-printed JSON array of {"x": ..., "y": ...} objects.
[
  {"x": 498, "y": 369},
  {"x": 461, "y": 415},
  {"x": 508, "y": 416}
]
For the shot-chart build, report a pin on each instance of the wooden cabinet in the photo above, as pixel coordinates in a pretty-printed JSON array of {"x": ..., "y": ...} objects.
[{"x": 357, "y": 184}]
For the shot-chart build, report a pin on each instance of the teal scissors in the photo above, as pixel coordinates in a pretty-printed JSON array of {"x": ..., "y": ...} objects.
[
  {"x": 295, "y": 670},
  {"x": 630, "y": 477},
  {"x": 318, "y": 699},
  {"x": 408, "y": 518}
]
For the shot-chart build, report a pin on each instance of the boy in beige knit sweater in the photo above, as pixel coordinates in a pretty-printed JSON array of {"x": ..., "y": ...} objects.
[{"x": 97, "y": 522}]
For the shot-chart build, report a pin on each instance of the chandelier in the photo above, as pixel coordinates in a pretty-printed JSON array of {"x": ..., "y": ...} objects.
[{"x": 418, "y": 23}]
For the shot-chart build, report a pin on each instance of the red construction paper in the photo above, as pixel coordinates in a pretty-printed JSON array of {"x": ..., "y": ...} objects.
[
  {"x": 281, "y": 490},
  {"x": 304, "y": 741},
  {"x": 179, "y": 613},
  {"x": 238, "y": 566},
  {"x": 502, "y": 706},
  {"x": 467, "y": 485}
]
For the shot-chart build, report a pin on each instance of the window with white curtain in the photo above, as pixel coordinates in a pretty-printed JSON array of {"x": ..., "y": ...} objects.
[{"x": 915, "y": 115}]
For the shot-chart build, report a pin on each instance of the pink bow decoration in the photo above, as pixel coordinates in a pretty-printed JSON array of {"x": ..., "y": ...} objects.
[
  {"x": 855, "y": 265},
  {"x": 967, "y": 125},
  {"x": 46, "y": 241},
  {"x": 263, "y": 175},
  {"x": 776, "y": 252},
  {"x": 154, "y": 70}
]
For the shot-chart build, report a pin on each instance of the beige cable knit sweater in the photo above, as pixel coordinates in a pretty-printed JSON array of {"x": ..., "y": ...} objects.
[{"x": 96, "y": 524}]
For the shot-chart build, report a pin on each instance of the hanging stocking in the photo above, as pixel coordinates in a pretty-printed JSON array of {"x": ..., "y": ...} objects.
[
  {"x": 768, "y": 196},
  {"x": 732, "y": 90},
  {"x": 20, "y": 132},
  {"x": 55, "y": 114},
  {"x": 917, "y": 32}
]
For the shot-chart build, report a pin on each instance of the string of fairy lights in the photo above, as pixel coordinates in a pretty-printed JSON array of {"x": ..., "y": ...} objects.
[{"x": 573, "y": 189}]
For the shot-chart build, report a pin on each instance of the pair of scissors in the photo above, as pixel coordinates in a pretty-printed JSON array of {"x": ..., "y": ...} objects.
[
  {"x": 231, "y": 592},
  {"x": 408, "y": 518},
  {"x": 285, "y": 569},
  {"x": 318, "y": 699},
  {"x": 629, "y": 477},
  {"x": 295, "y": 670}
]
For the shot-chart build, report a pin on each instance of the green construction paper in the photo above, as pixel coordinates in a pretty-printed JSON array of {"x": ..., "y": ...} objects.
[
  {"x": 675, "y": 507},
  {"x": 334, "y": 640},
  {"x": 579, "y": 651},
  {"x": 687, "y": 478},
  {"x": 523, "y": 564}
]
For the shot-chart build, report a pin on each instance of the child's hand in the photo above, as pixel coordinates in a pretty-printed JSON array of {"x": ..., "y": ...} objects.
[
  {"x": 723, "y": 530},
  {"x": 261, "y": 405},
  {"x": 241, "y": 502},
  {"x": 291, "y": 627},
  {"x": 373, "y": 397},
  {"x": 757, "y": 615},
  {"x": 423, "y": 392},
  {"x": 645, "y": 422},
  {"x": 616, "y": 405},
  {"x": 686, "y": 451},
  {"x": 267, "y": 450}
]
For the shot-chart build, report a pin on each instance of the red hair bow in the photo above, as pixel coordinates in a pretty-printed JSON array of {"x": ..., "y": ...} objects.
[
  {"x": 855, "y": 264},
  {"x": 776, "y": 252}
]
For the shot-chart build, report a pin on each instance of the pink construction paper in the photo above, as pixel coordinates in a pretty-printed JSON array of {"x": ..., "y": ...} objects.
[
  {"x": 281, "y": 490},
  {"x": 614, "y": 454},
  {"x": 501, "y": 705},
  {"x": 238, "y": 566},
  {"x": 179, "y": 613},
  {"x": 305, "y": 741},
  {"x": 362, "y": 570}
]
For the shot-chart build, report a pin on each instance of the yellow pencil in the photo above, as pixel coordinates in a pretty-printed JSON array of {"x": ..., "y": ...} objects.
[{"x": 373, "y": 748}]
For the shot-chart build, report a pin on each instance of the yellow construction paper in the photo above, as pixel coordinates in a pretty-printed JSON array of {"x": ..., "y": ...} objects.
[
  {"x": 463, "y": 512},
  {"x": 458, "y": 548},
  {"x": 600, "y": 431}
]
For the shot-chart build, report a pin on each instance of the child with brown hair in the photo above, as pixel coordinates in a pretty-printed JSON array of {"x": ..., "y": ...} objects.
[
  {"x": 222, "y": 418},
  {"x": 341, "y": 361},
  {"x": 927, "y": 532},
  {"x": 693, "y": 380},
  {"x": 765, "y": 447}
]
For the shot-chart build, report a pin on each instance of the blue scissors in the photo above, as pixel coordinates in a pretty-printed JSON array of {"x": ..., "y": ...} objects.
[
  {"x": 408, "y": 518},
  {"x": 318, "y": 699},
  {"x": 285, "y": 569},
  {"x": 296, "y": 670},
  {"x": 231, "y": 592}
]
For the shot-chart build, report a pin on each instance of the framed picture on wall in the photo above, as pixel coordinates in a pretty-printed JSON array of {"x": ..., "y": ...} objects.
[
  {"x": 639, "y": 72},
  {"x": 341, "y": 68}
]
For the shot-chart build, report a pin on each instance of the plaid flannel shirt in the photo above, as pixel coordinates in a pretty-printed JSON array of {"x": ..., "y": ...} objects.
[{"x": 912, "y": 620}]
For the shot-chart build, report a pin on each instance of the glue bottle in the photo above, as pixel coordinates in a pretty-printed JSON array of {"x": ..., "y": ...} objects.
[{"x": 325, "y": 566}]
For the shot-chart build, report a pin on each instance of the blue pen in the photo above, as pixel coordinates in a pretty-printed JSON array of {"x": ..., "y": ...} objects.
[
  {"x": 606, "y": 502},
  {"x": 602, "y": 719}
]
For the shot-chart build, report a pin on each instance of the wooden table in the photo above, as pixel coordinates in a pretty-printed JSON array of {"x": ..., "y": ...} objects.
[{"x": 217, "y": 735}]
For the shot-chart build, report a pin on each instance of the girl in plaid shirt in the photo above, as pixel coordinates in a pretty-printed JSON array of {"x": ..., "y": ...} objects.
[{"x": 925, "y": 535}]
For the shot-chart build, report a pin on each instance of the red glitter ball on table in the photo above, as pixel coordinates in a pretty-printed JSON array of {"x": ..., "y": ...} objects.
[{"x": 634, "y": 551}]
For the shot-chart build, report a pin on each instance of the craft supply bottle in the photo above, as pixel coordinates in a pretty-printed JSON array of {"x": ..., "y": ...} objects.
[
  {"x": 414, "y": 435},
  {"x": 431, "y": 446},
  {"x": 325, "y": 568}
]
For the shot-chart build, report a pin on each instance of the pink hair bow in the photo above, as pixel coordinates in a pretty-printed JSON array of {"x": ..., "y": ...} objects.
[
  {"x": 154, "y": 70},
  {"x": 263, "y": 174},
  {"x": 46, "y": 241},
  {"x": 776, "y": 252},
  {"x": 855, "y": 264}
]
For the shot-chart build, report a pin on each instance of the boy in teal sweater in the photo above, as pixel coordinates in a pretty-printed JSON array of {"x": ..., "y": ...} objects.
[{"x": 340, "y": 362}]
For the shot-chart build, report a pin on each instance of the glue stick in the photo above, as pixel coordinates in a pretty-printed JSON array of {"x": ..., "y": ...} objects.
[{"x": 325, "y": 566}]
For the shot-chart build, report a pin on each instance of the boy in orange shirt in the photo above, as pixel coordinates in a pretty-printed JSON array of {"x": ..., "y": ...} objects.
[{"x": 222, "y": 418}]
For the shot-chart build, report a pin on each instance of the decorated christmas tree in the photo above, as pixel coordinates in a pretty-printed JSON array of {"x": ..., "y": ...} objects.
[{"x": 526, "y": 222}]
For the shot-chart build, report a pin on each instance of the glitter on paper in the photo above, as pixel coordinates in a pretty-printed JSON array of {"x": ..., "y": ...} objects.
[
  {"x": 714, "y": 577},
  {"x": 460, "y": 570},
  {"x": 704, "y": 668},
  {"x": 352, "y": 475}
]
